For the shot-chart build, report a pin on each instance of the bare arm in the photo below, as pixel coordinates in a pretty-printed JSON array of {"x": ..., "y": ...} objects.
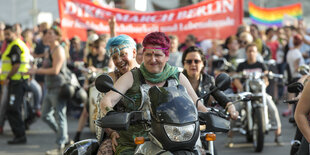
[
  {"x": 111, "y": 98},
  {"x": 112, "y": 24},
  {"x": 238, "y": 84},
  {"x": 184, "y": 81},
  {"x": 58, "y": 57},
  {"x": 302, "y": 111}
]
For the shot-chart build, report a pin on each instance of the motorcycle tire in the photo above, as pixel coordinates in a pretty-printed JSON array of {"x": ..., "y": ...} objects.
[
  {"x": 258, "y": 130},
  {"x": 249, "y": 134}
]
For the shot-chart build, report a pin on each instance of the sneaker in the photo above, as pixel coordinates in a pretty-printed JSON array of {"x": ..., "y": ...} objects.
[
  {"x": 19, "y": 140},
  {"x": 58, "y": 151},
  {"x": 278, "y": 140},
  {"x": 287, "y": 112},
  {"x": 38, "y": 113},
  {"x": 69, "y": 143},
  {"x": 229, "y": 143}
]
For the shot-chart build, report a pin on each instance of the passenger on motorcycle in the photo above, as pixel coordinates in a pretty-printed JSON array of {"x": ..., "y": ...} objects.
[
  {"x": 252, "y": 65},
  {"x": 153, "y": 72},
  {"x": 122, "y": 50}
]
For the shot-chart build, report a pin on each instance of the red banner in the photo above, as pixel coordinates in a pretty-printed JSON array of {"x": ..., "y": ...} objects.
[{"x": 211, "y": 19}]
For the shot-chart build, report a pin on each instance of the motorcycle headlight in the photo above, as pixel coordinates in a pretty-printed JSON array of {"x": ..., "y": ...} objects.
[
  {"x": 255, "y": 86},
  {"x": 180, "y": 133}
]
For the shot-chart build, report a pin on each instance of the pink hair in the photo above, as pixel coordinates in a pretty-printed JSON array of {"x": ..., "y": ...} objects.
[{"x": 157, "y": 38}]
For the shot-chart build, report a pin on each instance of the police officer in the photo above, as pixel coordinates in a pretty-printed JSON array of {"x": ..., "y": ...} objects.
[{"x": 15, "y": 62}]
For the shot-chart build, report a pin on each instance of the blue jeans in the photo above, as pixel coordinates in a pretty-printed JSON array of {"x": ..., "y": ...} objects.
[
  {"x": 36, "y": 90},
  {"x": 53, "y": 104}
]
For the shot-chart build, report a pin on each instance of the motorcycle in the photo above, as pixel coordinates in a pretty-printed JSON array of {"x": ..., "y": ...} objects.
[
  {"x": 172, "y": 120},
  {"x": 93, "y": 93},
  {"x": 254, "y": 112}
]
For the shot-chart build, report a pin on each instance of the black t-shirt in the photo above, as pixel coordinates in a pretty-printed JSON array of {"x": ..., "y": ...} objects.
[
  {"x": 15, "y": 54},
  {"x": 258, "y": 66},
  {"x": 249, "y": 68},
  {"x": 92, "y": 60}
]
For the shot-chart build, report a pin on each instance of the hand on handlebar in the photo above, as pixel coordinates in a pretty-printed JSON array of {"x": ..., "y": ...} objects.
[
  {"x": 232, "y": 111},
  {"x": 114, "y": 135}
]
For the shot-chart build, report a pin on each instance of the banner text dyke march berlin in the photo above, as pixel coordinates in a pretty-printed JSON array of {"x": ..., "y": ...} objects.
[{"x": 210, "y": 19}]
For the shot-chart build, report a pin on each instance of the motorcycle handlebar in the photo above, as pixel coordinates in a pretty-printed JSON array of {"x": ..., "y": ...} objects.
[{"x": 291, "y": 101}]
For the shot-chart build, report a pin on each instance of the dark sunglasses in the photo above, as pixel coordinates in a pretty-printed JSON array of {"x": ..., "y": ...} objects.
[
  {"x": 190, "y": 61},
  {"x": 243, "y": 42}
]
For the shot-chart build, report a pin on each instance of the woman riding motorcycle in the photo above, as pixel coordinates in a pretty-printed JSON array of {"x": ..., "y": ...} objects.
[{"x": 153, "y": 72}]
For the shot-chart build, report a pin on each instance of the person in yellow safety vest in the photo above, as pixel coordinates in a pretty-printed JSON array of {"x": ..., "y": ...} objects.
[{"x": 15, "y": 62}]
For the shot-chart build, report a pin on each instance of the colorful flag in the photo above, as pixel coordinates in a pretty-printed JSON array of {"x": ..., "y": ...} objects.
[{"x": 274, "y": 16}]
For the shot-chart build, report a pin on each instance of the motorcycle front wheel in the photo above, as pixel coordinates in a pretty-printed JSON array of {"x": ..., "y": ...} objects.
[{"x": 258, "y": 130}]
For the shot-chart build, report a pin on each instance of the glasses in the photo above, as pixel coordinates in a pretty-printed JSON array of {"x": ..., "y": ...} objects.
[
  {"x": 243, "y": 42},
  {"x": 190, "y": 61}
]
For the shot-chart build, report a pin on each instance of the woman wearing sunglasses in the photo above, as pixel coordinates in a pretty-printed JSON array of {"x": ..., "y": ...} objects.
[{"x": 194, "y": 62}]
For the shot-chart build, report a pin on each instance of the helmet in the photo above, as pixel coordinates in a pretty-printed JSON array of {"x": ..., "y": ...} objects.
[
  {"x": 80, "y": 95},
  {"x": 66, "y": 91}
]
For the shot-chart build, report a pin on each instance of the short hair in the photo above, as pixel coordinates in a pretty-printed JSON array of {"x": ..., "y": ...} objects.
[
  {"x": 57, "y": 30},
  {"x": 269, "y": 30},
  {"x": 247, "y": 36},
  {"x": 157, "y": 38},
  {"x": 191, "y": 37},
  {"x": 10, "y": 28},
  {"x": 173, "y": 37},
  {"x": 297, "y": 40},
  {"x": 98, "y": 41},
  {"x": 194, "y": 49},
  {"x": 250, "y": 45},
  {"x": 229, "y": 40},
  {"x": 116, "y": 43},
  {"x": 255, "y": 26}
]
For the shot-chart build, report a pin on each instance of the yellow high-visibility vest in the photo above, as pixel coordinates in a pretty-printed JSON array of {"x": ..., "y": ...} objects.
[{"x": 7, "y": 65}]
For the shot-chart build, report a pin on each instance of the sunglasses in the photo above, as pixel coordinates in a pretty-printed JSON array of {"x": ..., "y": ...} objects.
[
  {"x": 190, "y": 61},
  {"x": 243, "y": 42}
]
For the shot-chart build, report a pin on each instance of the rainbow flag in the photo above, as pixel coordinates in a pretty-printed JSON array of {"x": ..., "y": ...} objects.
[{"x": 273, "y": 16}]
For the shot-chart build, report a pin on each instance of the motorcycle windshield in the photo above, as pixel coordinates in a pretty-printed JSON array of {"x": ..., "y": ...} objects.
[{"x": 172, "y": 105}]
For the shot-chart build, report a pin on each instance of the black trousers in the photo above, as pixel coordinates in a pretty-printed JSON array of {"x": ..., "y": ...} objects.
[{"x": 15, "y": 101}]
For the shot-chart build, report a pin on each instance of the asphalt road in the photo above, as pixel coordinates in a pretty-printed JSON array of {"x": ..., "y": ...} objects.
[{"x": 41, "y": 138}]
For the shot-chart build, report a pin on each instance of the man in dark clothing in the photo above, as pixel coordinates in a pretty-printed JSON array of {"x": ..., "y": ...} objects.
[
  {"x": 15, "y": 62},
  {"x": 252, "y": 65}
]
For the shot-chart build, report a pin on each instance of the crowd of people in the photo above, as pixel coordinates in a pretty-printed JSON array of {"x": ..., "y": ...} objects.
[{"x": 38, "y": 58}]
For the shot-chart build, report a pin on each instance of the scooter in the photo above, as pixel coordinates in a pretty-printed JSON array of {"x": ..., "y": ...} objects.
[{"x": 172, "y": 119}]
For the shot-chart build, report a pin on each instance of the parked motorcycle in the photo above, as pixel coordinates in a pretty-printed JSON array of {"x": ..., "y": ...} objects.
[
  {"x": 171, "y": 119},
  {"x": 254, "y": 112},
  {"x": 93, "y": 93}
]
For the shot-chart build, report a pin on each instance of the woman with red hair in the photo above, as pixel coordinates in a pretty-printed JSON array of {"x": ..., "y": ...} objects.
[{"x": 154, "y": 71}]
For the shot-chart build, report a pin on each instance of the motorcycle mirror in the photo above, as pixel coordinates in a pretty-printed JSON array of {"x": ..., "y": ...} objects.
[
  {"x": 295, "y": 87},
  {"x": 223, "y": 81},
  {"x": 104, "y": 83}
]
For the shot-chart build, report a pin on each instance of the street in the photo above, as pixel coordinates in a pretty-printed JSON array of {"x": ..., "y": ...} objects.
[{"x": 41, "y": 138}]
